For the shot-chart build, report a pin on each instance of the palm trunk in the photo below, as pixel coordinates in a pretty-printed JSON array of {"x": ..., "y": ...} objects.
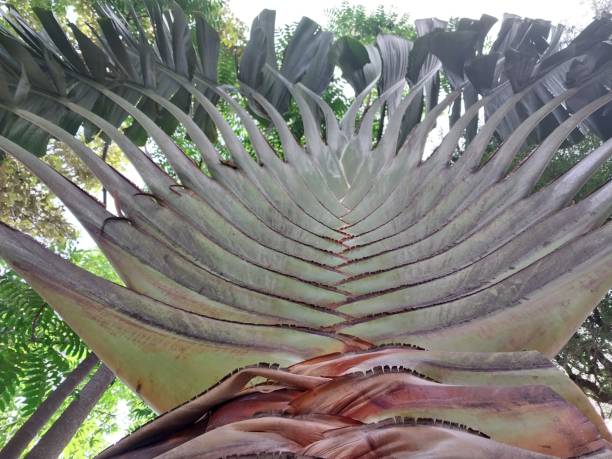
[
  {"x": 43, "y": 413},
  {"x": 61, "y": 432}
]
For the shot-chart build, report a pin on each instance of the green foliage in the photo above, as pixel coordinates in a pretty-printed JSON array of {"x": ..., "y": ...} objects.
[
  {"x": 226, "y": 70},
  {"x": 38, "y": 350},
  {"x": 587, "y": 356},
  {"x": 28, "y": 205},
  {"x": 566, "y": 158},
  {"x": 355, "y": 21},
  {"x": 84, "y": 9}
]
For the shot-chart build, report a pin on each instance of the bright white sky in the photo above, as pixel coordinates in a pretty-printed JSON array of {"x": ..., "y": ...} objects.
[{"x": 575, "y": 12}]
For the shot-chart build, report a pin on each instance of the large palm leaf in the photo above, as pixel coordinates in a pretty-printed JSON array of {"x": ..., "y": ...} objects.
[{"x": 331, "y": 248}]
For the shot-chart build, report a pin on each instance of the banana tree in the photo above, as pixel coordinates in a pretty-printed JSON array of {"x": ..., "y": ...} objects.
[{"x": 352, "y": 293}]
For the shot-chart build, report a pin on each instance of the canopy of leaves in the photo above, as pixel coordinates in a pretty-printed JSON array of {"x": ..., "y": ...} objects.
[
  {"x": 587, "y": 357},
  {"x": 27, "y": 204},
  {"x": 355, "y": 21}
]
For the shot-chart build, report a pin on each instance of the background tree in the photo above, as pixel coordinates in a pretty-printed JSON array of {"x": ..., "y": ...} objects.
[
  {"x": 20, "y": 440},
  {"x": 356, "y": 21}
]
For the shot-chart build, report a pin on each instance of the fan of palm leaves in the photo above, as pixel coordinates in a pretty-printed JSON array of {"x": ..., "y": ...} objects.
[{"x": 405, "y": 299}]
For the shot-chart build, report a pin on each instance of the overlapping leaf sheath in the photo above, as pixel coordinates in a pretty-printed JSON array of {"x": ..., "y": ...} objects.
[
  {"x": 356, "y": 236},
  {"x": 392, "y": 401}
]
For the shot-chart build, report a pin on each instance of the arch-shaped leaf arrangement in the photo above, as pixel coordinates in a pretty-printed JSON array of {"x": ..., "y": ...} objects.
[{"x": 326, "y": 251}]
